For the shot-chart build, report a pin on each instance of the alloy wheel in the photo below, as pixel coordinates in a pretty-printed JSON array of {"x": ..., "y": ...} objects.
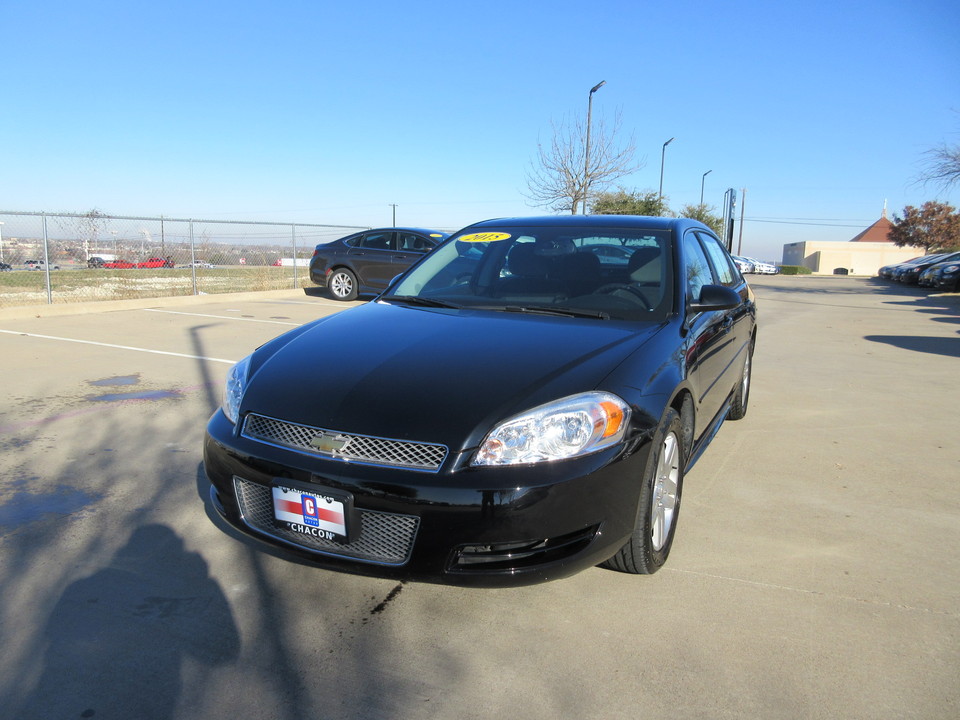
[{"x": 664, "y": 496}]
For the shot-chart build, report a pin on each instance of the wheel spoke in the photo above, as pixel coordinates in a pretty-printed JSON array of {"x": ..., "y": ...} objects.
[{"x": 664, "y": 495}]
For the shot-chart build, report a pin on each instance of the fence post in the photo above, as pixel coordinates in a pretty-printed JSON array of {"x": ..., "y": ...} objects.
[
  {"x": 293, "y": 237},
  {"x": 193, "y": 260},
  {"x": 46, "y": 259}
]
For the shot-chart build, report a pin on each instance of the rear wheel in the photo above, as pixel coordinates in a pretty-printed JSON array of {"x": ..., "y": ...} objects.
[
  {"x": 647, "y": 549},
  {"x": 343, "y": 284}
]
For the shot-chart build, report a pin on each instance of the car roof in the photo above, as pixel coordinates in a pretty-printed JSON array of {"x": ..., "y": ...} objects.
[
  {"x": 424, "y": 231},
  {"x": 587, "y": 221}
]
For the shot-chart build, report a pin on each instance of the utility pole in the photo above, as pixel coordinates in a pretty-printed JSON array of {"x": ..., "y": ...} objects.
[
  {"x": 743, "y": 203},
  {"x": 394, "y": 206}
]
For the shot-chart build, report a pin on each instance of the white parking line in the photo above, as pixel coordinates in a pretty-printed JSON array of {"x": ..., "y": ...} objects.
[
  {"x": 118, "y": 347},
  {"x": 221, "y": 317}
]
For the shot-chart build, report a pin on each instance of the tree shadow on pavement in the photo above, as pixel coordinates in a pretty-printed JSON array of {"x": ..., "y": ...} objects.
[
  {"x": 151, "y": 607},
  {"x": 946, "y": 346}
]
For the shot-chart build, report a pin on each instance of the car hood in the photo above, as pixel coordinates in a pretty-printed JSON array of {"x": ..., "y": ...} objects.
[{"x": 431, "y": 375}]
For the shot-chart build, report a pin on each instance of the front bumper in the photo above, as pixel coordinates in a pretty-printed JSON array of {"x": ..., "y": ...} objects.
[
  {"x": 461, "y": 525},
  {"x": 948, "y": 281}
]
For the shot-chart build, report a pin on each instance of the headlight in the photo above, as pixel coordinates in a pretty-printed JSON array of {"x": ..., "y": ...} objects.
[
  {"x": 950, "y": 269},
  {"x": 233, "y": 389},
  {"x": 574, "y": 426}
]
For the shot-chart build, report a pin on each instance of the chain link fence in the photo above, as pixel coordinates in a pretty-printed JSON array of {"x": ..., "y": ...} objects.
[{"x": 48, "y": 258}]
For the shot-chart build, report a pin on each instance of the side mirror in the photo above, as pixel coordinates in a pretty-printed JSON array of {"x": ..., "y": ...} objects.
[
  {"x": 390, "y": 284},
  {"x": 715, "y": 297}
]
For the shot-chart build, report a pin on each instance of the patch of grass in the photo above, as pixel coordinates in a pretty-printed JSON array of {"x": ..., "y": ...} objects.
[{"x": 28, "y": 287}]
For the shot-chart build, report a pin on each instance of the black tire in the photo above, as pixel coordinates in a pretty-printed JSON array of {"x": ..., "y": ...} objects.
[
  {"x": 738, "y": 408},
  {"x": 342, "y": 285},
  {"x": 647, "y": 549}
]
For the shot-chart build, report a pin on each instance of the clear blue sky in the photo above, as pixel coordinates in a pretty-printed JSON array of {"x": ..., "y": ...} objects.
[{"x": 330, "y": 111}]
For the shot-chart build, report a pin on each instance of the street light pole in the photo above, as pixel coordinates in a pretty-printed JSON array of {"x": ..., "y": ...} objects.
[
  {"x": 663, "y": 155},
  {"x": 702, "y": 181},
  {"x": 586, "y": 153},
  {"x": 394, "y": 206},
  {"x": 743, "y": 204}
]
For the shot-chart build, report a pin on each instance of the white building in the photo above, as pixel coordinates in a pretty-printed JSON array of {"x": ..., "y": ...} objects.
[{"x": 863, "y": 255}]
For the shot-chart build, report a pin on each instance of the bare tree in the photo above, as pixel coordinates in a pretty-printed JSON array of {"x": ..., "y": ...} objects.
[
  {"x": 558, "y": 178},
  {"x": 943, "y": 166}
]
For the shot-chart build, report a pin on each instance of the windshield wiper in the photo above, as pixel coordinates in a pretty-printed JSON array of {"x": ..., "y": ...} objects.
[
  {"x": 563, "y": 312},
  {"x": 422, "y": 301}
]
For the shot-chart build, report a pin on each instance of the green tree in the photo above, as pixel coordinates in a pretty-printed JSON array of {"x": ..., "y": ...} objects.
[
  {"x": 935, "y": 226},
  {"x": 704, "y": 213},
  {"x": 622, "y": 202}
]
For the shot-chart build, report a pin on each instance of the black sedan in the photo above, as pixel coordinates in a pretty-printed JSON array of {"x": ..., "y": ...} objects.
[
  {"x": 887, "y": 271},
  {"x": 910, "y": 274},
  {"x": 947, "y": 276},
  {"x": 367, "y": 261},
  {"x": 509, "y": 411}
]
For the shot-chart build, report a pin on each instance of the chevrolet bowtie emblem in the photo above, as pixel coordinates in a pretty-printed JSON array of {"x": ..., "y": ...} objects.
[{"x": 329, "y": 443}]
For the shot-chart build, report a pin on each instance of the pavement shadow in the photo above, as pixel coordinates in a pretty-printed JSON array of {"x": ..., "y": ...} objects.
[
  {"x": 142, "y": 615},
  {"x": 946, "y": 346}
]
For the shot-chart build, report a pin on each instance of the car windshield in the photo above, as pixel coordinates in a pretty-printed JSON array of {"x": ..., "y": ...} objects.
[{"x": 601, "y": 273}]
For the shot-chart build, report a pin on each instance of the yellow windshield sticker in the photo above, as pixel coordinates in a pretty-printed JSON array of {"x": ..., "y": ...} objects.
[{"x": 484, "y": 237}]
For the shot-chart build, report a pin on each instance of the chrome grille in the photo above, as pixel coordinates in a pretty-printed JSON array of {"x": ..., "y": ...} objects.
[
  {"x": 355, "y": 448},
  {"x": 384, "y": 538}
]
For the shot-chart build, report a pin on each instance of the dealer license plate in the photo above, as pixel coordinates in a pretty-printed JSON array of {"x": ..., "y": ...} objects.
[{"x": 316, "y": 514}]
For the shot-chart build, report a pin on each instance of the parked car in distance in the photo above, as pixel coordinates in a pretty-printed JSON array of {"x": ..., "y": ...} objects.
[
  {"x": 888, "y": 272},
  {"x": 156, "y": 262},
  {"x": 762, "y": 268},
  {"x": 95, "y": 261},
  {"x": 367, "y": 261},
  {"x": 910, "y": 274},
  {"x": 38, "y": 265},
  {"x": 118, "y": 264},
  {"x": 743, "y": 264},
  {"x": 947, "y": 276},
  {"x": 509, "y": 411},
  {"x": 5, "y": 266}
]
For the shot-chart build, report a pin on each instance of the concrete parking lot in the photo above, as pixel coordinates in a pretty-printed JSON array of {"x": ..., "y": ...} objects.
[{"x": 815, "y": 574}]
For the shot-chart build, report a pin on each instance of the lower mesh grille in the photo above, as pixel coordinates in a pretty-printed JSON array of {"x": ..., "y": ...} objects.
[{"x": 384, "y": 538}]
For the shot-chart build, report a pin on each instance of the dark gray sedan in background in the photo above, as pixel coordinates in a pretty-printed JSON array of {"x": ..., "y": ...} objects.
[{"x": 367, "y": 261}]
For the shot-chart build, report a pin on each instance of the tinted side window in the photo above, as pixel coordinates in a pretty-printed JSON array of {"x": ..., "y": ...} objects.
[
  {"x": 378, "y": 241},
  {"x": 725, "y": 271},
  {"x": 411, "y": 242},
  {"x": 697, "y": 268}
]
